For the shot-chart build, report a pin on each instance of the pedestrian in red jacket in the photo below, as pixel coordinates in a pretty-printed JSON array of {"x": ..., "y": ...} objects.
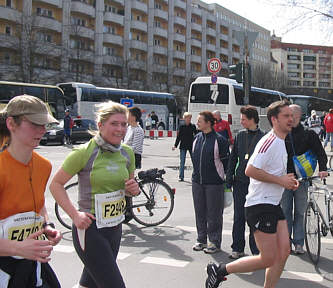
[{"x": 328, "y": 121}]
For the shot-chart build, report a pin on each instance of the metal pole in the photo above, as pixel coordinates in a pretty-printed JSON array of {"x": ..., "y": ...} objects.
[{"x": 246, "y": 77}]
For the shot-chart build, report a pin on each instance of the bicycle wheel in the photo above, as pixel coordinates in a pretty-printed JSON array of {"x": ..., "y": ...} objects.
[
  {"x": 331, "y": 162},
  {"x": 73, "y": 193},
  {"x": 154, "y": 204},
  {"x": 312, "y": 233}
]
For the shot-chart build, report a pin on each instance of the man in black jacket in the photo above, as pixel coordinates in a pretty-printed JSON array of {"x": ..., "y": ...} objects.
[
  {"x": 298, "y": 142},
  {"x": 245, "y": 142},
  {"x": 185, "y": 137}
]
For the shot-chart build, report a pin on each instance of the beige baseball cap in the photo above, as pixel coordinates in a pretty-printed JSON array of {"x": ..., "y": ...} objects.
[{"x": 34, "y": 109}]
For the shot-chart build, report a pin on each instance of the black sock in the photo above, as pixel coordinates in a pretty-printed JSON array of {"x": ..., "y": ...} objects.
[{"x": 222, "y": 271}]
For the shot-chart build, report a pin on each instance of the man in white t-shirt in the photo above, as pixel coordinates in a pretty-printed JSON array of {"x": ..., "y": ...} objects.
[{"x": 267, "y": 169}]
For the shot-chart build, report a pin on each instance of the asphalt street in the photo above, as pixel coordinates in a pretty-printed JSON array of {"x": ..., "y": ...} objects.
[{"x": 162, "y": 256}]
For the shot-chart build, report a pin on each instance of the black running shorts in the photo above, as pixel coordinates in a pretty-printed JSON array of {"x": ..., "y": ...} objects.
[{"x": 264, "y": 217}]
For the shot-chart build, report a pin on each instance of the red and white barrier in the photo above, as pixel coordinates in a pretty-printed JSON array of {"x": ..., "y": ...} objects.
[{"x": 160, "y": 133}]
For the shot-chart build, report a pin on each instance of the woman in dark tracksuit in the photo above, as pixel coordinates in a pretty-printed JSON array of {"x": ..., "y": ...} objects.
[{"x": 210, "y": 159}]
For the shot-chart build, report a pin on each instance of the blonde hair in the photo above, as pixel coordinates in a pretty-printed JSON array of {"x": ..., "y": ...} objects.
[
  {"x": 107, "y": 109},
  {"x": 187, "y": 114}
]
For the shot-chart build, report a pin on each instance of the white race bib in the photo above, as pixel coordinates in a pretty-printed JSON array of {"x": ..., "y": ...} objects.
[
  {"x": 110, "y": 208},
  {"x": 19, "y": 226}
]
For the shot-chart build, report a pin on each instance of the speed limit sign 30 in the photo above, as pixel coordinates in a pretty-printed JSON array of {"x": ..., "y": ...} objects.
[{"x": 214, "y": 65}]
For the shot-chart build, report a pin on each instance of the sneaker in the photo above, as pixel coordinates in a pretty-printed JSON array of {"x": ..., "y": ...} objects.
[
  {"x": 212, "y": 280},
  {"x": 299, "y": 249},
  {"x": 236, "y": 255},
  {"x": 211, "y": 249},
  {"x": 181, "y": 179},
  {"x": 199, "y": 246}
]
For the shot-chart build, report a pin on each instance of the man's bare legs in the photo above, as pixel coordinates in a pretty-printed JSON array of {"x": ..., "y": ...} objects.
[{"x": 274, "y": 251}]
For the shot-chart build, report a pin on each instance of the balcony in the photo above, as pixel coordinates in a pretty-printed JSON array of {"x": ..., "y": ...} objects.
[
  {"x": 196, "y": 27},
  {"x": 46, "y": 48},
  {"x": 83, "y": 8},
  {"x": 139, "y": 25},
  {"x": 140, "y": 6},
  {"x": 196, "y": 11},
  {"x": 160, "y": 68},
  {"x": 161, "y": 14},
  {"x": 113, "y": 39},
  {"x": 179, "y": 72},
  {"x": 211, "y": 17},
  {"x": 82, "y": 31},
  {"x": 211, "y": 47},
  {"x": 196, "y": 59},
  {"x": 224, "y": 37},
  {"x": 113, "y": 60},
  {"x": 7, "y": 41},
  {"x": 121, "y": 2},
  {"x": 211, "y": 32},
  {"x": 179, "y": 38},
  {"x": 140, "y": 45},
  {"x": 161, "y": 50},
  {"x": 48, "y": 23},
  {"x": 179, "y": 55},
  {"x": 196, "y": 43},
  {"x": 180, "y": 21},
  {"x": 224, "y": 51},
  {"x": 180, "y": 4},
  {"x": 57, "y": 3},
  {"x": 137, "y": 64},
  {"x": 115, "y": 18},
  {"x": 161, "y": 32},
  {"x": 80, "y": 54},
  {"x": 10, "y": 14},
  {"x": 236, "y": 54}
]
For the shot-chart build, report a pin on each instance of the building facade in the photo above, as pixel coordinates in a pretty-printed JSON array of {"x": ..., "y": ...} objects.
[
  {"x": 142, "y": 44},
  {"x": 309, "y": 68}
]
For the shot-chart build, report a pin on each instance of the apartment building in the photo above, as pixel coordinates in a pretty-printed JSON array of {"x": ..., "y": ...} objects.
[
  {"x": 142, "y": 44},
  {"x": 306, "y": 66}
]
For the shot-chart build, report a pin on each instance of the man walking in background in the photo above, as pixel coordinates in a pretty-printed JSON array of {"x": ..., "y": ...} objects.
[
  {"x": 222, "y": 127},
  {"x": 328, "y": 121},
  {"x": 185, "y": 137},
  {"x": 245, "y": 142},
  {"x": 68, "y": 125},
  {"x": 293, "y": 202}
]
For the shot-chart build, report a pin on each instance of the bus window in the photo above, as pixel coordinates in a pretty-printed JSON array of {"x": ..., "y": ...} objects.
[
  {"x": 86, "y": 95},
  {"x": 7, "y": 92},
  {"x": 201, "y": 93},
  {"x": 36, "y": 91},
  {"x": 115, "y": 95},
  {"x": 239, "y": 95}
]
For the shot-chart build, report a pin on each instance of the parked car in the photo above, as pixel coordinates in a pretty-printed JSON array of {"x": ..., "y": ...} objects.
[{"x": 80, "y": 132}]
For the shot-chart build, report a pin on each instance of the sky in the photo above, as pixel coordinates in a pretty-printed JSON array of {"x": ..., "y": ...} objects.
[{"x": 275, "y": 17}]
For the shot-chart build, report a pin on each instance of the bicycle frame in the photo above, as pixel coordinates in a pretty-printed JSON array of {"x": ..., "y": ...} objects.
[{"x": 316, "y": 207}]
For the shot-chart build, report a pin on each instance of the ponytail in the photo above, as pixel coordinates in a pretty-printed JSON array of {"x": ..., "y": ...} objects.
[{"x": 4, "y": 131}]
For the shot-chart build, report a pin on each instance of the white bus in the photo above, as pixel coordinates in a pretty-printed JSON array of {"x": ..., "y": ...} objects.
[
  {"x": 83, "y": 97},
  {"x": 227, "y": 96}
]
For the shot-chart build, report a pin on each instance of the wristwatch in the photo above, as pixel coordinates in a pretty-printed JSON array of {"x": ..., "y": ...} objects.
[{"x": 48, "y": 224}]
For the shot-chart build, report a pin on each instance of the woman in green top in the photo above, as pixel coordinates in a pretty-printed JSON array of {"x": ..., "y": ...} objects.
[{"x": 105, "y": 170}]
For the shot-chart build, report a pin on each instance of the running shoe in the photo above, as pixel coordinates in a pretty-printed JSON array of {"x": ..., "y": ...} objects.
[
  {"x": 213, "y": 281},
  {"x": 199, "y": 246}
]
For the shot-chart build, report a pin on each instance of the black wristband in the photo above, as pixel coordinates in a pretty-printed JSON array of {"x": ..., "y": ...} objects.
[{"x": 48, "y": 224}]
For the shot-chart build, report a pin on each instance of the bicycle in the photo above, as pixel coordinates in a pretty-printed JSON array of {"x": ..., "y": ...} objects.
[
  {"x": 151, "y": 207},
  {"x": 315, "y": 223},
  {"x": 330, "y": 161}
]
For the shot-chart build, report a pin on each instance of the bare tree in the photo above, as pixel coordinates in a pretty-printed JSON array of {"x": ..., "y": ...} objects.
[{"x": 264, "y": 77}]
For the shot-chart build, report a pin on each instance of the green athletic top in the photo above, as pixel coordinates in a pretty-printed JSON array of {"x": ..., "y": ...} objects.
[{"x": 98, "y": 171}]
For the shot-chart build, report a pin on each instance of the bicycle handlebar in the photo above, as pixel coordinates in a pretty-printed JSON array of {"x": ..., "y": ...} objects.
[{"x": 305, "y": 179}]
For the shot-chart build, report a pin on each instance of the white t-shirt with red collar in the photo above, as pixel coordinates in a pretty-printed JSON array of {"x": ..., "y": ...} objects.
[{"x": 271, "y": 156}]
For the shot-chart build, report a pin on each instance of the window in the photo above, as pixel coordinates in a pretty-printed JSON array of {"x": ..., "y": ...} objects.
[
  {"x": 309, "y": 75},
  {"x": 293, "y": 66},
  {"x": 138, "y": 37},
  {"x": 109, "y": 29},
  {"x": 193, "y": 52},
  {"x": 324, "y": 84},
  {"x": 44, "y": 12},
  {"x": 138, "y": 17},
  {"x": 291, "y": 49},
  {"x": 78, "y": 21},
  {"x": 157, "y": 60},
  {"x": 109, "y": 8},
  {"x": 44, "y": 37},
  {"x": 309, "y": 58},
  {"x": 157, "y": 23},
  {"x": 157, "y": 42},
  {"x": 158, "y": 6},
  {"x": 308, "y": 51},
  {"x": 6, "y": 59},
  {"x": 177, "y": 47},
  {"x": 308, "y": 67},
  {"x": 178, "y": 64},
  {"x": 294, "y": 57},
  {"x": 8, "y": 30},
  {"x": 201, "y": 93},
  {"x": 293, "y": 74},
  {"x": 109, "y": 51},
  {"x": 108, "y": 71},
  {"x": 9, "y": 3}
]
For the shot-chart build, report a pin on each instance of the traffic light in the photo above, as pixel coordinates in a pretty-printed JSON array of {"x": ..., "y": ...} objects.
[{"x": 236, "y": 72}]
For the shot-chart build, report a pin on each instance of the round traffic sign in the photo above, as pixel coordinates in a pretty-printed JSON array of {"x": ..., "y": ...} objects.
[{"x": 214, "y": 65}]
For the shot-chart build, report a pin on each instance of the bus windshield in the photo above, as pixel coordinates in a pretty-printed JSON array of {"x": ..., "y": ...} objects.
[
  {"x": 51, "y": 95},
  {"x": 201, "y": 93}
]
